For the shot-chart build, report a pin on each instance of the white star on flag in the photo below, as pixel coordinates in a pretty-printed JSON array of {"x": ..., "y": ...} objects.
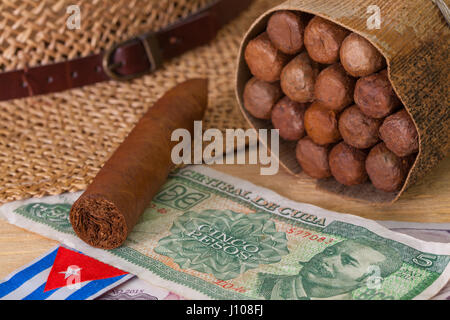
[
  {"x": 42, "y": 279},
  {"x": 71, "y": 270}
]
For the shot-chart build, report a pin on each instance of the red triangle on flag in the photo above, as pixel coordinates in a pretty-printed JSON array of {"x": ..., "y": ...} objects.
[{"x": 72, "y": 267}]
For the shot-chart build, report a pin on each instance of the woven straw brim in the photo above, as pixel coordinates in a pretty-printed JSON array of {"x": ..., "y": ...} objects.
[
  {"x": 57, "y": 143},
  {"x": 36, "y": 32}
]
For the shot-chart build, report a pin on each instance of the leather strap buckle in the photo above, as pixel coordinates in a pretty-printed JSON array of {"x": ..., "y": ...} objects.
[
  {"x": 152, "y": 52},
  {"x": 126, "y": 60}
]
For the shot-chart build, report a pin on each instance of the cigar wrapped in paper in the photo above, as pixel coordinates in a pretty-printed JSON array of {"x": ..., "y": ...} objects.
[
  {"x": 366, "y": 87},
  {"x": 110, "y": 207}
]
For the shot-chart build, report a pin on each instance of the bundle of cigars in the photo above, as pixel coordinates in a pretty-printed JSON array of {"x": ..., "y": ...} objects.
[{"x": 328, "y": 91}]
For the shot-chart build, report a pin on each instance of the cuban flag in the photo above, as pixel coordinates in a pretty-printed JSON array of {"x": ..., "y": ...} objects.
[{"x": 62, "y": 274}]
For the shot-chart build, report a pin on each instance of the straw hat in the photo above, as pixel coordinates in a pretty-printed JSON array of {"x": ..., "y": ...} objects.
[{"x": 54, "y": 143}]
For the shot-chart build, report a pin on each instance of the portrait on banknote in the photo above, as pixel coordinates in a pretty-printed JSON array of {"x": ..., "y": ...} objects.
[{"x": 334, "y": 273}]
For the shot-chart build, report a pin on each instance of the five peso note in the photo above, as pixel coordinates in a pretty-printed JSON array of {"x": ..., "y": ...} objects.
[
  {"x": 437, "y": 232},
  {"x": 137, "y": 289},
  {"x": 207, "y": 235}
]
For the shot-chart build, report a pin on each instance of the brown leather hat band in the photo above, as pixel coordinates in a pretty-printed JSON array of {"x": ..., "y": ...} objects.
[{"x": 125, "y": 61}]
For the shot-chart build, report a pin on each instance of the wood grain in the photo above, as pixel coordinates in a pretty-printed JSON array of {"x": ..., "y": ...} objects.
[
  {"x": 19, "y": 247},
  {"x": 427, "y": 201}
]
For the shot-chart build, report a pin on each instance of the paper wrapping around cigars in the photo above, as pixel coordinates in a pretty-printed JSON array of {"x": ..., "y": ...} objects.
[{"x": 414, "y": 40}]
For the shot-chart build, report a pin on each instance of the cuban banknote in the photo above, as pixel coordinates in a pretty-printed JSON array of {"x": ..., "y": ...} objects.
[
  {"x": 137, "y": 289},
  {"x": 437, "y": 232},
  {"x": 211, "y": 236}
]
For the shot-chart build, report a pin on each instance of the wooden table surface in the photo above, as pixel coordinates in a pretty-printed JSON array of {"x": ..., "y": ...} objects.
[{"x": 427, "y": 201}]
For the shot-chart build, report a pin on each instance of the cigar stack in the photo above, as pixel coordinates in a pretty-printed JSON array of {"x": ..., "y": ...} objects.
[{"x": 328, "y": 89}]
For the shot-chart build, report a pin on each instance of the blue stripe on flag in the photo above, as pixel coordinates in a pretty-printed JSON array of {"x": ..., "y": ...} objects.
[
  {"x": 39, "y": 294},
  {"x": 93, "y": 287},
  {"x": 26, "y": 274}
]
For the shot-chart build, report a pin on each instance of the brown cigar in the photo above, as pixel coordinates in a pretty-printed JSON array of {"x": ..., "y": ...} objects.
[
  {"x": 285, "y": 30},
  {"x": 313, "y": 158},
  {"x": 375, "y": 96},
  {"x": 387, "y": 171},
  {"x": 288, "y": 116},
  {"x": 264, "y": 60},
  {"x": 359, "y": 57},
  {"x": 399, "y": 134},
  {"x": 347, "y": 164},
  {"x": 357, "y": 129},
  {"x": 321, "y": 124},
  {"x": 298, "y": 78},
  {"x": 260, "y": 97},
  {"x": 323, "y": 40},
  {"x": 107, "y": 211},
  {"x": 334, "y": 88}
]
